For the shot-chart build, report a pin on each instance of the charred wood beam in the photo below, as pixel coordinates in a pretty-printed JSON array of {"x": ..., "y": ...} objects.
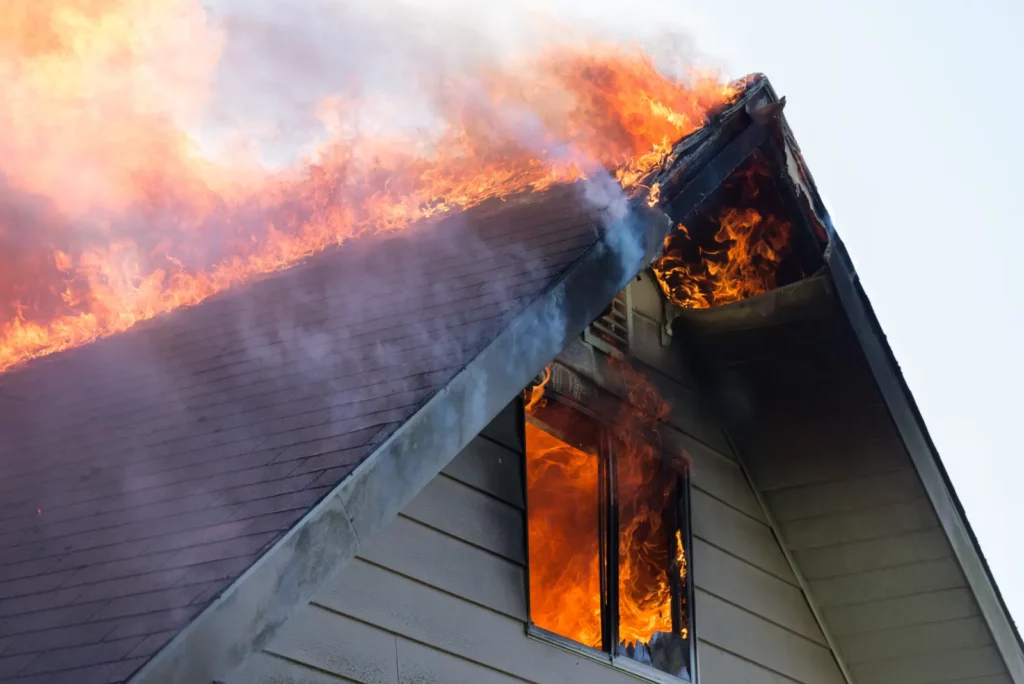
[
  {"x": 809, "y": 238},
  {"x": 715, "y": 172},
  {"x": 694, "y": 151}
]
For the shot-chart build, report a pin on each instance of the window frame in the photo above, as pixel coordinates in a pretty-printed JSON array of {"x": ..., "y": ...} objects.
[{"x": 609, "y": 564}]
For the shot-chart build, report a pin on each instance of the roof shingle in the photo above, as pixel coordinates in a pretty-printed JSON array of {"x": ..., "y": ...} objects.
[{"x": 140, "y": 475}]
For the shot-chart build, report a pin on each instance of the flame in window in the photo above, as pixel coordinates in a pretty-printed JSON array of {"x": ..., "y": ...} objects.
[
  {"x": 565, "y": 574},
  {"x": 646, "y": 492},
  {"x": 565, "y": 521}
]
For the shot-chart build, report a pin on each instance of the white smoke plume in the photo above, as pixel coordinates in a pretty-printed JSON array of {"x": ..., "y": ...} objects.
[{"x": 291, "y": 76}]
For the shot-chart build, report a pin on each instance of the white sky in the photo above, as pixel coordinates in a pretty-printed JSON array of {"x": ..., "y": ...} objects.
[{"x": 907, "y": 114}]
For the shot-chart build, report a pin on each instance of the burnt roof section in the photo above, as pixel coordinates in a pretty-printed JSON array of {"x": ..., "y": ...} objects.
[{"x": 141, "y": 475}]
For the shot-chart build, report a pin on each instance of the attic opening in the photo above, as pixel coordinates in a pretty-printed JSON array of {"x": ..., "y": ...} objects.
[{"x": 743, "y": 240}]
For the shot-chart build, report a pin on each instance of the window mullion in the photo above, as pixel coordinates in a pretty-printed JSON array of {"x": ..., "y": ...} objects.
[
  {"x": 676, "y": 583},
  {"x": 688, "y": 590},
  {"x": 610, "y": 544}
]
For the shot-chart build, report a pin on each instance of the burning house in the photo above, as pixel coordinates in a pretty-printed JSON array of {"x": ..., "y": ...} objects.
[{"x": 560, "y": 436}]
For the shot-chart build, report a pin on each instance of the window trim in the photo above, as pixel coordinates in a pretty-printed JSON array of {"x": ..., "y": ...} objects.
[
  {"x": 611, "y": 657},
  {"x": 618, "y": 662}
]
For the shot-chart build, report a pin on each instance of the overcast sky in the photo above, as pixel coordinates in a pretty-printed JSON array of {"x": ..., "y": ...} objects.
[{"x": 908, "y": 115}]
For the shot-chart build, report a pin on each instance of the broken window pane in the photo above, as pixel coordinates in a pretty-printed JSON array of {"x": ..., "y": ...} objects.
[
  {"x": 653, "y": 625},
  {"x": 607, "y": 521},
  {"x": 563, "y": 519}
]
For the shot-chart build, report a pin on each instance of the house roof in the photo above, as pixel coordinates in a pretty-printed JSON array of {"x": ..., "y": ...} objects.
[{"x": 141, "y": 475}]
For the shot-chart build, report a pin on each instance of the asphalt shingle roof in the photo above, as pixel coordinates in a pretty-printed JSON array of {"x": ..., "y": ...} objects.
[{"x": 141, "y": 475}]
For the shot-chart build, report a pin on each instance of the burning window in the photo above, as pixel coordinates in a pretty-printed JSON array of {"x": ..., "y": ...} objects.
[{"x": 608, "y": 533}]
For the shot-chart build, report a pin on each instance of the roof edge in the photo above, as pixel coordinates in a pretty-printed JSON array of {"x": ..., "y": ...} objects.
[
  {"x": 247, "y": 615},
  {"x": 925, "y": 457}
]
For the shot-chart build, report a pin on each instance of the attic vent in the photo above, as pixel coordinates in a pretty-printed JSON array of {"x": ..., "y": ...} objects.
[{"x": 612, "y": 333}]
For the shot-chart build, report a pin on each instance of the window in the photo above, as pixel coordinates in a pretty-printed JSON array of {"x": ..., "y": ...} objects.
[{"x": 607, "y": 528}]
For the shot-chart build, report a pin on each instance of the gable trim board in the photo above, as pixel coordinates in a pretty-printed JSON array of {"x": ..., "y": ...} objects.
[{"x": 922, "y": 452}]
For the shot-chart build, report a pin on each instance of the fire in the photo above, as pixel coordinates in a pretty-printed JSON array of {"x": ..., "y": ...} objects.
[
  {"x": 654, "y": 195},
  {"x": 111, "y": 213},
  {"x": 742, "y": 257},
  {"x": 537, "y": 391},
  {"x": 646, "y": 490},
  {"x": 564, "y": 506},
  {"x": 564, "y": 514}
]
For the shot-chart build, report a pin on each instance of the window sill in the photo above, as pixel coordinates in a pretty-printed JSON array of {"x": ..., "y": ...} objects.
[{"x": 620, "y": 663}]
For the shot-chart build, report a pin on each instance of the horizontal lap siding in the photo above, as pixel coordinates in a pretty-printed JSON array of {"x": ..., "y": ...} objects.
[
  {"x": 864, "y": 535},
  {"x": 270, "y": 669},
  {"x": 472, "y": 516},
  {"x": 878, "y": 565},
  {"x": 754, "y": 625},
  {"x": 721, "y": 666},
  {"x": 439, "y": 594},
  {"x": 762, "y": 641}
]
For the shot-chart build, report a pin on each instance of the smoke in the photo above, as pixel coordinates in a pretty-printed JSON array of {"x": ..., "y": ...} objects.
[
  {"x": 604, "y": 194},
  {"x": 395, "y": 64},
  {"x": 163, "y": 147}
]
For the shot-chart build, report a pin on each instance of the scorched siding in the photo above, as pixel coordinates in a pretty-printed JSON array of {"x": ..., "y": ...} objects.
[{"x": 439, "y": 595}]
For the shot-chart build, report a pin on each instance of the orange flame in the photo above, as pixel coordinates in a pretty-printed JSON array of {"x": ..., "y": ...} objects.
[
  {"x": 537, "y": 391},
  {"x": 110, "y": 213},
  {"x": 680, "y": 570},
  {"x": 743, "y": 260},
  {"x": 646, "y": 489},
  {"x": 563, "y": 513},
  {"x": 562, "y": 518}
]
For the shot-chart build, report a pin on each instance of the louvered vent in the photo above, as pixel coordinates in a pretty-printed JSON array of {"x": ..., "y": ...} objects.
[{"x": 612, "y": 333}]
